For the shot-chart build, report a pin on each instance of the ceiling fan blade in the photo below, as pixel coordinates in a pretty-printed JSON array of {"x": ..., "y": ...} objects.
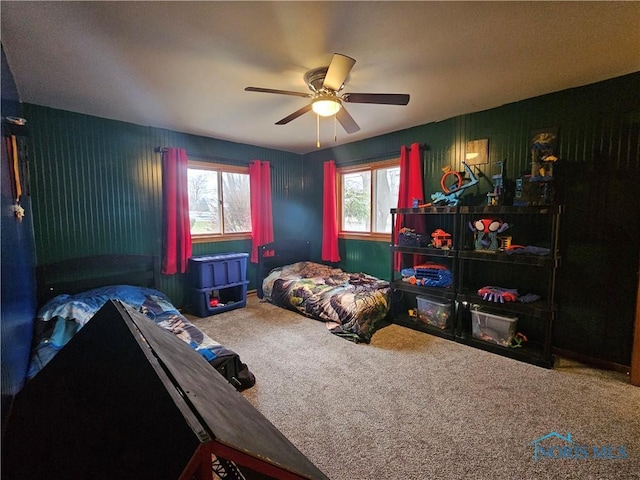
[
  {"x": 294, "y": 115},
  {"x": 379, "y": 98},
  {"x": 281, "y": 92},
  {"x": 347, "y": 121},
  {"x": 338, "y": 71}
]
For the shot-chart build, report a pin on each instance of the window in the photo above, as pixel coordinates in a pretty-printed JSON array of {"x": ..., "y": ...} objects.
[
  {"x": 367, "y": 193},
  {"x": 219, "y": 201}
]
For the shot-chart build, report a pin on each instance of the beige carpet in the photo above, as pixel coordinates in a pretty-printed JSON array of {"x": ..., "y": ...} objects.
[{"x": 414, "y": 406}]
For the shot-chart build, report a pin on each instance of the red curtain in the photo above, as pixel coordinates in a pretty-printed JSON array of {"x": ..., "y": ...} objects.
[
  {"x": 411, "y": 187},
  {"x": 261, "y": 212},
  {"x": 176, "y": 229},
  {"x": 330, "y": 251}
]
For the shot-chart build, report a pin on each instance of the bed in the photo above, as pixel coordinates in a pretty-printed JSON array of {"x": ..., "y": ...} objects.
[
  {"x": 127, "y": 398},
  {"x": 71, "y": 292},
  {"x": 353, "y": 304}
]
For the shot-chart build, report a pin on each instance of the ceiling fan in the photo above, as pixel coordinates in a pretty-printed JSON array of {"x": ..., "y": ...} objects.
[{"x": 325, "y": 84}]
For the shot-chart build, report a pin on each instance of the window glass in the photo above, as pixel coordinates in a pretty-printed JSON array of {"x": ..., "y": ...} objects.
[
  {"x": 219, "y": 200},
  {"x": 367, "y": 194},
  {"x": 356, "y": 201},
  {"x": 386, "y": 197},
  {"x": 236, "y": 202},
  {"x": 204, "y": 202}
]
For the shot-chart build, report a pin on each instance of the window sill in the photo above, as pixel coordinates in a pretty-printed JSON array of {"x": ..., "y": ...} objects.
[
  {"x": 371, "y": 237},
  {"x": 220, "y": 238}
]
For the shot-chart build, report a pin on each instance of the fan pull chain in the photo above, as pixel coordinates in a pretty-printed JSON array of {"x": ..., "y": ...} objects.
[
  {"x": 318, "y": 131},
  {"x": 335, "y": 127}
]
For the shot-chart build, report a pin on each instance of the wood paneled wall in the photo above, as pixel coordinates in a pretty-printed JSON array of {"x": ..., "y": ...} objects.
[
  {"x": 96, "y": 189},
  {"x": 598, "y": 176}
]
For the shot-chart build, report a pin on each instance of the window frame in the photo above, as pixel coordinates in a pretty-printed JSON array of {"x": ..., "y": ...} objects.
[
  {"x": 371, "y": 167},
  {"x": 220, "y": 168}
]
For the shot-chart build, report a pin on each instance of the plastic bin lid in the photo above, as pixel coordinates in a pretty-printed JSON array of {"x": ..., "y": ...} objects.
[
  {"x": 494, "y": 315},
  {"x": 437, "y": 301},
  {"x": 221, "y": 256}
]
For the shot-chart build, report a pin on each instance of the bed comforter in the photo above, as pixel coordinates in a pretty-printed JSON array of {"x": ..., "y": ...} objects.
[
  {"x": 60, "y": 318},
  {"x": 352, "y": 303}
]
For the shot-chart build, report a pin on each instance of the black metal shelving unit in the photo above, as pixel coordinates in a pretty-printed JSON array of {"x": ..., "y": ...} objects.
[
  {"x": 473, "y": 269},
  {"x": 404, "y": 293}
]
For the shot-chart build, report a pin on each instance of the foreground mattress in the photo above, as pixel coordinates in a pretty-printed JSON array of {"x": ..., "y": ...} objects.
[
  {"x": 61, "y": 317},
  {"x": 354, "y": 303}
]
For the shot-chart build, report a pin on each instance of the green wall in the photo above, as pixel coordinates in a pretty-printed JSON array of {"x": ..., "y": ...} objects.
[
  {"x": 598, "y": 172},
  {"x": 96, "y": 188},
  {"x": 95, "y": 185}
]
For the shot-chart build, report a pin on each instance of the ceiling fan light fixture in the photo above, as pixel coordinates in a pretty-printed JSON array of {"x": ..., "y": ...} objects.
[
  {"x": 326, "y": 106},
  {"x": 325, "y": 83}
]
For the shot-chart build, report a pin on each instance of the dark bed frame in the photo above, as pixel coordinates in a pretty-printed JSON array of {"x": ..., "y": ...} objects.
[
  {"x": 76, "y": 275},
  {"x": 277, "y": 254}
]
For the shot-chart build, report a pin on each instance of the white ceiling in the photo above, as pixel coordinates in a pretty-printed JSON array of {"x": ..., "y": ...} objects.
[{"x": 184, "y": 65}]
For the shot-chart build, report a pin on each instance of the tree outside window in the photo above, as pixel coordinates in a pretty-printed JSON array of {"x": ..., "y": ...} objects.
[
  {"x": 236, "y": 202},
  {"x": 219, "y": 200},
  {"x": 367, "y": 194}
]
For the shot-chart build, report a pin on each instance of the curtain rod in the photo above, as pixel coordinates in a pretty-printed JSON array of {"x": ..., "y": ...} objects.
[
  {"x": 205, "y": 157},
  {"x": 423, "y": 147}
]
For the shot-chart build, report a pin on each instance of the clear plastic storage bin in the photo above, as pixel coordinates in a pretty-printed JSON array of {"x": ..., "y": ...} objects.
[
  {"x": 492, "y": 327},
  {"x": 436, "y": 312}
]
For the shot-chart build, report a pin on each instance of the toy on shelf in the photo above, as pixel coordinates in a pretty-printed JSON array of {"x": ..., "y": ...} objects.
[
  {"x": 543, "y": 147},
  {"x": 529, "y": 298},
  {"x": 408, "y": 237},
  {"x": 499, "y": 193},
  {"x": 518, "y": 340},
  {"x": 538, "y": 188},
  {"x": 428, "y": 275},
  {"x": 441, "y": 239},
  {"x": 491, "y": 293},
  {"x": 498, "y": 294},
  {"x": 486, "y": 234},
  {"x": 534, "y": 191},
  {"x": 450, "y": 195}
]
